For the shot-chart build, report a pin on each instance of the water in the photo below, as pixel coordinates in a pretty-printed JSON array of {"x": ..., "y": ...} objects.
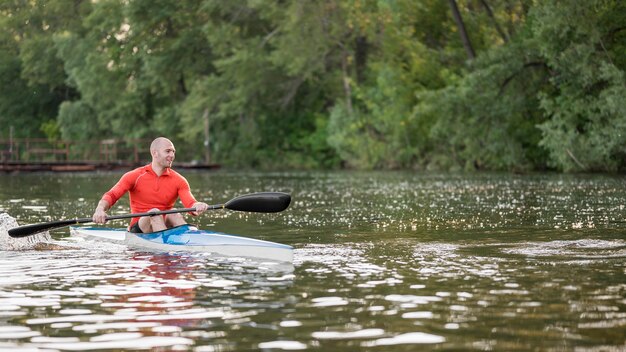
[{"x": 383, "y": 261}]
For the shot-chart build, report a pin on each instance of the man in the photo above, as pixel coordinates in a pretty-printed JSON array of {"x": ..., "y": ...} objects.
[{"x": 153, "y": 187}]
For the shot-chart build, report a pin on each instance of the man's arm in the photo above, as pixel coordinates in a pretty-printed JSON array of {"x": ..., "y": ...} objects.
[
  {"x": 99, "y": 216},
  {"x": 188, "y": 200},
  {"x": 113, "y": 195}
]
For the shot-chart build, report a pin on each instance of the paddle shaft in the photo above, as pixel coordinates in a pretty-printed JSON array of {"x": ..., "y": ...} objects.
[
  {"x": 28, "y": 230},
  {"x": 263, "y": 202}
]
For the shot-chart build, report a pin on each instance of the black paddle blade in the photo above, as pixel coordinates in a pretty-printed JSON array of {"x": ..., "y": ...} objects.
[
  {"x": 27, "y": 230},
  {"x": 263, "y": 202}
]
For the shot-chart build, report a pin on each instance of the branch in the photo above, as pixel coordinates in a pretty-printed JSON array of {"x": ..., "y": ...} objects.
[
  {"x": 292, "y": 92},
  {"x": 269, "y": 36},
  {"x": 511, "y": 77},
  {"x": 574, "y": 158}
]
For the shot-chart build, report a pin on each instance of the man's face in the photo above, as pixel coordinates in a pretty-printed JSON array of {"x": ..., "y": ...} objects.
[{"x": 164, "y": 154}]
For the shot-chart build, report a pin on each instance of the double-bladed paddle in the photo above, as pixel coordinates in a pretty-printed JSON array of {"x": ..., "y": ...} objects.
[{"x": 263, "y": 202}]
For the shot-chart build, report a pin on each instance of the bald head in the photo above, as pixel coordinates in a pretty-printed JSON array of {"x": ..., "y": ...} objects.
[
  {"x": 163, "y": 154},
  {"x": 160, "y": 143}
]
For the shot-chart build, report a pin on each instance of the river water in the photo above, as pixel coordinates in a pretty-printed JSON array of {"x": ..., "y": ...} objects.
[{"x": 383, "y": 261}]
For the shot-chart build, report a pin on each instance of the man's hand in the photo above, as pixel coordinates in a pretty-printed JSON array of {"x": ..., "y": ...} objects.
[
  {"x": 200, "y": 208},
  {"x": 99, "y": 216}
]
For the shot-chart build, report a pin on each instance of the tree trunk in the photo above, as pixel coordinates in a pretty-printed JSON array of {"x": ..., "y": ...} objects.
[
  {"x": 360, "y": 57},
  {"x": 462, "y": 31},
  {"x": 495, "y": 22},
  {"x": 207, "y": 148},
  {"x": 346, "y": 82}
]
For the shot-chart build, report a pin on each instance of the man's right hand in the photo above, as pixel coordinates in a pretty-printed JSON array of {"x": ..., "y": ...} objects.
[{"x": 100, "y": 216}]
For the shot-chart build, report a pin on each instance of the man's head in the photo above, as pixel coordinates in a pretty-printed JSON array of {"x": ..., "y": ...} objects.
[{"x": 163, "y": 152}]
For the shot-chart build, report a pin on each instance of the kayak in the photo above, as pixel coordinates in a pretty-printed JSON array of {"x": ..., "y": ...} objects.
[{"x": 188, "y": 238}]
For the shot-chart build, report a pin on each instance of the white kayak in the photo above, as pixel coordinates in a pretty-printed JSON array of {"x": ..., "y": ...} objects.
[{"x": 187, "y": 238}]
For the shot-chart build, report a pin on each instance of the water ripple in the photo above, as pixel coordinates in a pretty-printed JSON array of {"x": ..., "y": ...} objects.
[
  {"x": 383, "y": 261},
  {"x": 572, "y": 249}
]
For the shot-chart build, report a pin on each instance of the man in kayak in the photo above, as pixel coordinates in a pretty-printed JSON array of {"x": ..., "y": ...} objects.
[{"x": 153, "y": 187}]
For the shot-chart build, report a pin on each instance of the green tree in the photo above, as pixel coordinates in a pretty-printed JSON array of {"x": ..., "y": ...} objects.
[
  {"x": 548, "y": 98},
  {"x": 580, "y": 43},
  {"x": 268, "y": 91},
  {"x": 357, "y": 83},
  {"x": 412, "y": 49},
  {"x": 32, "y": 79},
  {"x": 133, "y": 63}
]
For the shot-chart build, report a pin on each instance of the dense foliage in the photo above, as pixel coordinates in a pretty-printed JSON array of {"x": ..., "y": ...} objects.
[{"x": 504, "y": 85}]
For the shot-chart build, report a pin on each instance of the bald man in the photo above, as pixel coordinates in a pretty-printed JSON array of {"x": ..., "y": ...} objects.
[{"x": 153, "y": 187}]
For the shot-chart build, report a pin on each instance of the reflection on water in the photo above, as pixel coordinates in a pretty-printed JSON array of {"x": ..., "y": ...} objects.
[
  {"x": 131, "y": 300},
  {"x": 574, "y": 249},
  {"x": 383, "y": 261}
]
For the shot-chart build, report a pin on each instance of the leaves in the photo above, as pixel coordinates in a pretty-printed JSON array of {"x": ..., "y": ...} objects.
[{"x": 356, "y": 83}]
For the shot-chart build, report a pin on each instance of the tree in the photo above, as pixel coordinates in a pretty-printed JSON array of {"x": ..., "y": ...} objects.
[
  {"x": 357, "y": 83},
  {"x": 32, "y": 78},
  {"x": 586, "y": 115},
  {"x": 548, "y": 98}
]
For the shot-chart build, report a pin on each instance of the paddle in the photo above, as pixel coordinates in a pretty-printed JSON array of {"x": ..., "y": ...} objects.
[{"x": 263, "y": 202}]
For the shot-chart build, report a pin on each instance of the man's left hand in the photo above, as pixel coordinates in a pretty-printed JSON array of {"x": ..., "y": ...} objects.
[{"x": 201, "y": 207}]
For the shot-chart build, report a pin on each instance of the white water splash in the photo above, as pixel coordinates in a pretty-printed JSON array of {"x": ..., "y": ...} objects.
[{"x": 8, "y": 243}]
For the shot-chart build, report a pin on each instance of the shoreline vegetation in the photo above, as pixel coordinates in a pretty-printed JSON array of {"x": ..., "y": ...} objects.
[{"x": 456, "y": 85}]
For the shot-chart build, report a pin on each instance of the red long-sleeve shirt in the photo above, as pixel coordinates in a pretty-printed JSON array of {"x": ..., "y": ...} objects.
[{"x": 148, "y": 191}]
